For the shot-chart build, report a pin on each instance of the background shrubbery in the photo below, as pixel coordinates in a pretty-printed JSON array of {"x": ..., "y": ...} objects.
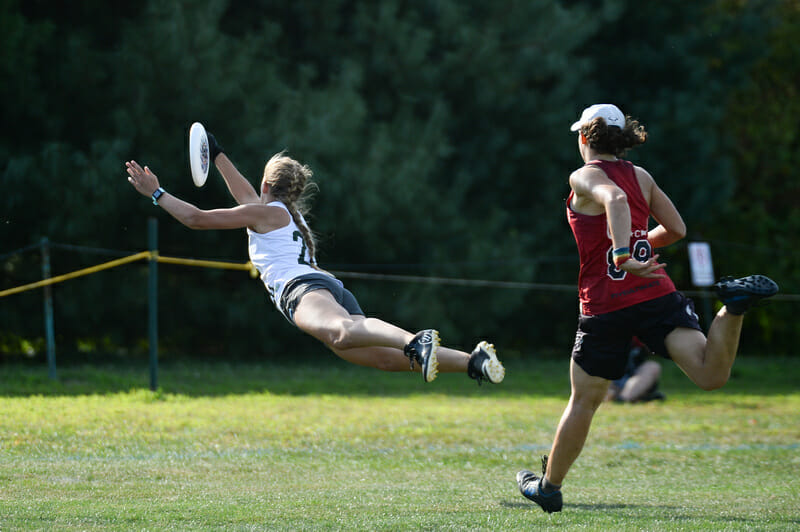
[{"x": 438, "y": 133}]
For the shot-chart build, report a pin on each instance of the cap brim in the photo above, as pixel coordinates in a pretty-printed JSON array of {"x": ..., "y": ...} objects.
[{"x": 576, "y": 126}]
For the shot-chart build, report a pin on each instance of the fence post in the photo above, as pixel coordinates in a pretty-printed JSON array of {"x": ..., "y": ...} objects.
[
  {"x": 152, "y": 240},
  {"x": 48, "y": 312}
]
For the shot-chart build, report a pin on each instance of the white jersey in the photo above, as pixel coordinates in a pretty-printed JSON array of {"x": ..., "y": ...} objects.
[{"x": 279, "y": 256}]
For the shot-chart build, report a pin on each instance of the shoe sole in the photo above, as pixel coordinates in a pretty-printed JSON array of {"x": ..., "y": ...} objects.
[
  {"x": 759, "y": 285},
  {"x": 754, "y": 285},
  {"x": 430, "y": 366},
  {"x": 494, "y": 370}
]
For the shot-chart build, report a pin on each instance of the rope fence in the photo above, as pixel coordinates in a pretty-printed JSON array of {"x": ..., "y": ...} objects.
[
  {"x": 153, "y": 257},
  {"x": 143, "y": 255}
]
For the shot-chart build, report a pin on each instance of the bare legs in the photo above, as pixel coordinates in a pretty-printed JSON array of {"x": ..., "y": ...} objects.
[
  {"x": 322, "y": 317},
  {"x": 587, "y": 394},
  {"x": 391, "y": 359},
  {"x": 706, "y": 361},
  {"x": 364, "y": 341}
]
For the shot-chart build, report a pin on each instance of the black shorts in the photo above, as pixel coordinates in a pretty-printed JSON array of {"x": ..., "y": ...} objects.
[
  {"x": 297, "y": 288},
  {"x": 603, "y": 340}
]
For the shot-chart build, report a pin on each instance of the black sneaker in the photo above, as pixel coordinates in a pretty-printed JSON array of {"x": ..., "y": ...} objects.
[
  {"x": 483, "y": 364},
  {"x": 530, "y": 485},
  {"x": 422, "y": 349},
  {"x": 738, "y": 295}
]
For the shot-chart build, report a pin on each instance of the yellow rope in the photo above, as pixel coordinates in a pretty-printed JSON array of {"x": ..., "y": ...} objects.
[
  {"x": 207, "y": 263},
  {"x": 248, "y": 266},
  {"x": 78, "y": 273}
]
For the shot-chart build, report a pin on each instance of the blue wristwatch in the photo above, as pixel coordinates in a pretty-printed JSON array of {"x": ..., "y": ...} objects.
[{"x": 157, "y": 194}]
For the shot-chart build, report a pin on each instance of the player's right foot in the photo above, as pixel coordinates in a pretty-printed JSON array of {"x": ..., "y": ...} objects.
[
  {"x": 530, "y": 485},
  {"x": 738, "y": 295},
  {"x": 483, "y": 364},
  {"x": 422, "y": 349}
]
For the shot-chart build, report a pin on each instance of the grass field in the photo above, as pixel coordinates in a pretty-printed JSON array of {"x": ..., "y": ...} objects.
[{"x": 330, "y": 446}]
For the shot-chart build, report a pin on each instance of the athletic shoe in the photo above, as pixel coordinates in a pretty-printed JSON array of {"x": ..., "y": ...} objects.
[
  {"x": 422, "y": 349},
  {"x": 483, "y": 364},
  {"x": 738, "y": 295},
  {"x": 530, "y": 485}
]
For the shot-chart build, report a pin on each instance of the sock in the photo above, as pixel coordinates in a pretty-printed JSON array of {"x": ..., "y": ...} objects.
[
  {"x": 548, "y": 487},
  {"x": 475, "y": 366}
]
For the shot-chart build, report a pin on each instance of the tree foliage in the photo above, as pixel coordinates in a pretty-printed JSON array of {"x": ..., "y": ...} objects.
[{"x": 437, "y": 132}]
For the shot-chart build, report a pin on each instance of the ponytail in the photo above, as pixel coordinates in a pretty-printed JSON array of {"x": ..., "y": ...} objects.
[
  {"x": 308, "y": 234},
  {"x": 611, "y": 139},
  {"x": 290, "y": 181}
]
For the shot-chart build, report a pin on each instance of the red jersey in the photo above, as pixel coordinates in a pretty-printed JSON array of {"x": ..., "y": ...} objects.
[{"x": 602, "y": 286}]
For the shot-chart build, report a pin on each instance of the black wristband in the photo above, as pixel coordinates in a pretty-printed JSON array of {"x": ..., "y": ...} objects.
[{"x": 214, "y": 147}]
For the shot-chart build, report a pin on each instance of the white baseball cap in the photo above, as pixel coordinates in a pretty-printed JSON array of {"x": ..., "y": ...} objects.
[{"x": 610, "y": 113}]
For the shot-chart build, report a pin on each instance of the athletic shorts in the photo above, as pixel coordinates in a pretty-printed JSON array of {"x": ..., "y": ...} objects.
[
  {"x": 297, "y": 288},
  {"x": 603, "y": 340}
]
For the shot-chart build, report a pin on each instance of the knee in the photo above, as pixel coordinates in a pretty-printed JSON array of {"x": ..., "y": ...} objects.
[
  {"x": 712, "y": 382},
  {"x": 340, "y": 338},
  {"x": 588, "y": 402}
]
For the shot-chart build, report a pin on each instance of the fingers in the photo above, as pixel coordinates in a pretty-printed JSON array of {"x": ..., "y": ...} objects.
[
  {"x": 645, "y": 269},
  {"x": 133, "y": 168}
]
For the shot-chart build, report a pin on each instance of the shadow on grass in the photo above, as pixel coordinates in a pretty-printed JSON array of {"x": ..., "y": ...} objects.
[
  {"x": 659, "y": 511},
  {"x": 326, "y": 374}
]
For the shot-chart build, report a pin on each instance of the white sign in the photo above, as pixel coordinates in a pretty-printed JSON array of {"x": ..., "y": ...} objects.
[{"x": 700, "y": 263}]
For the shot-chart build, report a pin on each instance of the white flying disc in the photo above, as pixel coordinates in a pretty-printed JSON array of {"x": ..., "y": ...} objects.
[{"x": 198, "y": 154}]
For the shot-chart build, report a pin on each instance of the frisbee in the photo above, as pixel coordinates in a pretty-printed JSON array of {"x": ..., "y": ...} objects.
[{"x": 198, "y": 154}]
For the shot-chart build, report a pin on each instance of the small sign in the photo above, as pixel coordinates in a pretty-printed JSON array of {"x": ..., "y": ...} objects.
[{"x": 700, "y": 263}]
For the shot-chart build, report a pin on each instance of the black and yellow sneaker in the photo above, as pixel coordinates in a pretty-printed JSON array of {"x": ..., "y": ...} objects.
[
  {"x": 483, "y": 364},
  {"x": 530, "y": 485},
  {"x": 738, "y": 295},
  {"x": 422, "y": 350}
]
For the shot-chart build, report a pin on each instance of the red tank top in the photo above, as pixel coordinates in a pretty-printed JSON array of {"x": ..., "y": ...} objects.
[{"x": 602, "y": 287}]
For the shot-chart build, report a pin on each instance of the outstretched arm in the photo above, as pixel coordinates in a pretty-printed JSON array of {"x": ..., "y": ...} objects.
[
  {"x": 255, "y": 215},
  {"x": 239, "y": 187}
]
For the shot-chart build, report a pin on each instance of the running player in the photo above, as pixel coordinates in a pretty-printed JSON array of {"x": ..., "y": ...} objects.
[{"x": 625, "y": 292}]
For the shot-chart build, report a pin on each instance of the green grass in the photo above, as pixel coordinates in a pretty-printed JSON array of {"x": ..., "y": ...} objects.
[{"x": 334, "y": 446}]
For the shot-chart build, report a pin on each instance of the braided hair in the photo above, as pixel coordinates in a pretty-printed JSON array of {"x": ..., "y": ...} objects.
[
  {"x": 611, "y": 139},
  {"x": 289, "y": 181}
]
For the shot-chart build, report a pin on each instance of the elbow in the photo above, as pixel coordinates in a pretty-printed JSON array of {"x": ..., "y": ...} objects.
[
  {"x": 679, "y": 232},
  {"x": 195, "y": 220}
]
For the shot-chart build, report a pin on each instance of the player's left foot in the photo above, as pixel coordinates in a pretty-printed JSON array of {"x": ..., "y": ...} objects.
[
  {"x": 530, "y": 485},
  {"x": 738, "y": 295},
  {"x": 422, "y": 349},
  {"x": 483, "y": 364}
]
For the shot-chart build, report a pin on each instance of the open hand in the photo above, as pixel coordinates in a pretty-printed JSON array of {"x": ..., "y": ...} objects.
[
  {"x": 644, "y": 269},
  {"x": 142, "y": 179}
]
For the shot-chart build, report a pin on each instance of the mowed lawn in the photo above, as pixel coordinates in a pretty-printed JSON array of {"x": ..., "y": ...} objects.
[{"x": 322, "y": 445}]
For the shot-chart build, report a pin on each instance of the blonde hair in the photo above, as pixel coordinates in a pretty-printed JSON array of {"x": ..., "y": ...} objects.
[{"x": 289, "y": 181}]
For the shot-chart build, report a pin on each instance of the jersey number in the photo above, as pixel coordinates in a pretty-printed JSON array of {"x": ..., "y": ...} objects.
[
  {"x": 297, "y": 235},
  {"x": 641, "y": 252}
]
